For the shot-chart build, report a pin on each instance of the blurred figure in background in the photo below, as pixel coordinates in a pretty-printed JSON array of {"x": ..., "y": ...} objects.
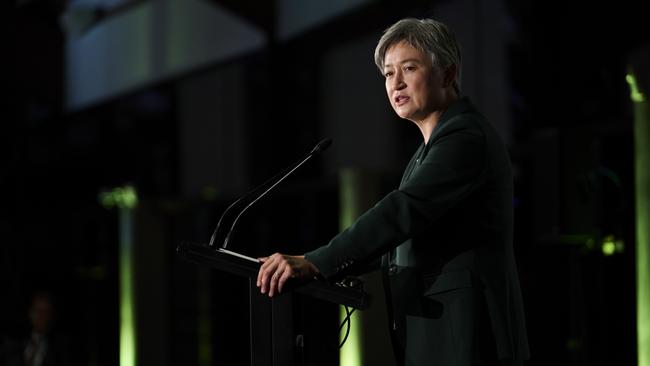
[{"x": 41, "y": 346}]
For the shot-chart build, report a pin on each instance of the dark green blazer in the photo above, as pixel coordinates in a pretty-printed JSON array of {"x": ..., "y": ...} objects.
[{"x": 445, "y": 242}]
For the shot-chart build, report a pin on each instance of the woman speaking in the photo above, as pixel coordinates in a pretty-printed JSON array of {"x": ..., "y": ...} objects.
[{"x": 443, "y": 238}]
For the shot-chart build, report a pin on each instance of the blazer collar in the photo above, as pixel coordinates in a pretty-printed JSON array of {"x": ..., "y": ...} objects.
[{"x": 460, "y": 106}]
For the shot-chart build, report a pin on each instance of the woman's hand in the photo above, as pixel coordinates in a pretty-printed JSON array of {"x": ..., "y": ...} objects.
[{"x": 278, "y": 268}]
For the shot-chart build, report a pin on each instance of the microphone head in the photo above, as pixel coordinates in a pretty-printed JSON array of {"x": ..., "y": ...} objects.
[{"x": 321, "y": 146}]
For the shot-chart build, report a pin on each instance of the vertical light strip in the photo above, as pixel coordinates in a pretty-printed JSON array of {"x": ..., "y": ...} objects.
[
  {"x": 125, "y": 199},
  {"x": 642, "y": 200},
  {"x": 127, "y": 303},
  {"x": 350, "y": 353}
]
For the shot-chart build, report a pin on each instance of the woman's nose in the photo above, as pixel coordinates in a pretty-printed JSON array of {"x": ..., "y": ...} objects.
[{"x": 398, "y": 82}]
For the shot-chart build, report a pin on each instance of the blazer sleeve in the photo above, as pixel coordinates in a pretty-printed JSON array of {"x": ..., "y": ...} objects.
[{"x": 452, "y": 169}]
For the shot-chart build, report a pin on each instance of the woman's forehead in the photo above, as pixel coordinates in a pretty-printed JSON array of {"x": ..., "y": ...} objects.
[{"x": 401, "y": 52}]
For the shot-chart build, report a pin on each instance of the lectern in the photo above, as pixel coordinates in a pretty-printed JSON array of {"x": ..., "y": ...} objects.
[{"x": 272, "y": 341}]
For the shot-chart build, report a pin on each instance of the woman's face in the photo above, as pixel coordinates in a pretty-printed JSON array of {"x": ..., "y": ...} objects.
[{"x": 415, "y": 88}]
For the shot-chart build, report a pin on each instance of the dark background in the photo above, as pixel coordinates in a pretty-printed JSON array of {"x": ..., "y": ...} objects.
[{"x": 571, "y": 147}]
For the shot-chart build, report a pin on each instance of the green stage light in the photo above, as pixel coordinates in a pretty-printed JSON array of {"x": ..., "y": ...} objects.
[
  {"x": 611, "y": 245},
  {"x": 609, "y": 248},
  {"x": 126, "y": 199},
  {"x": 350, "y": 354},
  {"x": 635, "y": 93},
  {"x": 620, "y": 246},
  {"x": 642, "y": 200},
  {"x": 127, "y": 298},
  {"x": 123, "y": 197}
]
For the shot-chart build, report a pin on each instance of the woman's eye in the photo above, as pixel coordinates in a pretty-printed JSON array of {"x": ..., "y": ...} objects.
[
  {"x": 409, "y": 68},
  {"x": 388, "y": 73}
]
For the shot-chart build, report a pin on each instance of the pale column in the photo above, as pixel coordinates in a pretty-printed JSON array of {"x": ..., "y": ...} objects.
[{"x": 642, "y": 200}]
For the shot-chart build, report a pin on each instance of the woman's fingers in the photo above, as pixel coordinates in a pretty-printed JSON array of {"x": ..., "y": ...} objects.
[
  {"x": 282, "y": 267},
  {"x": 259, "y": 273},
  {"x": 265, "y": 275},
  {"x": 286, "y": 274},
  {"x": 277, "y": 269}
]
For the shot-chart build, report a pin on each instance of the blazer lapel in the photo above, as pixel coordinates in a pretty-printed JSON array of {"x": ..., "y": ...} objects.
[{"x": 411, "y": 166}]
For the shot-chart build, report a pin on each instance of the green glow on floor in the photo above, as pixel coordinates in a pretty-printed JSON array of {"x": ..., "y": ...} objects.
[
  {"x": 350, "y": 353},
  {"x": 642, "y": 200}
]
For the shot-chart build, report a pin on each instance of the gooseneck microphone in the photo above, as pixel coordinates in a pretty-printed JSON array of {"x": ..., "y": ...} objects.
[{"x": 235, "y": 210}]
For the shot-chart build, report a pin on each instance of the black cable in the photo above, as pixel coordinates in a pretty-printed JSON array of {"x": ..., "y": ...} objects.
[
  {"x": 345, "y": 320},
  {"x": 348, "y": 321}
]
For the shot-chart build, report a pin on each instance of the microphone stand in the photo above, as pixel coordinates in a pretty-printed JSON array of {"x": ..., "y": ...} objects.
[{"x": 254, "y": 195}]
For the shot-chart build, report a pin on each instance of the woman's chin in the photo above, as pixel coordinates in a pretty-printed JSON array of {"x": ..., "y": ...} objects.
[{"x": 402, "y": 113}]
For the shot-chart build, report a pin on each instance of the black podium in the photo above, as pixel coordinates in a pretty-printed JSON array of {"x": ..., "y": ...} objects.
[{"x": 272, "y": 341}]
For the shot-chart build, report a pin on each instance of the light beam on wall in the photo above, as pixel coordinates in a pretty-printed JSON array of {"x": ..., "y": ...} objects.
[
  {"x": 642, "y": 200},
  {"x": 127, "y": 303},
  {"x": 125, "y": 199},
  {"x": 350, "y": 354}
]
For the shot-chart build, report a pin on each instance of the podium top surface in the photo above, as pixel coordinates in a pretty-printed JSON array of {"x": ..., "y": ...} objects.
[{"x": 244, "y": 266}]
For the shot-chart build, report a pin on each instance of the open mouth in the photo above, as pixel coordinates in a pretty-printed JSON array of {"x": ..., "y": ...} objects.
[{"x": 401, "y": 99}]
